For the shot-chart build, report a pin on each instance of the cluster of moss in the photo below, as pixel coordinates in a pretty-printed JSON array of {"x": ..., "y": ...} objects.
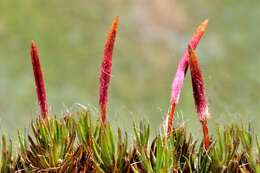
[{"x": 76, "y": 144}]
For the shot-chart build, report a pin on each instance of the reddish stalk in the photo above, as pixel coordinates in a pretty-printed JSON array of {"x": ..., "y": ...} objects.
[
  {"x": 205, "y": 129},
  {"x": 39, "y": 82},
  {"x": 170, "y": 118},
  {"x": 106, "y": 69},
  {"x": 199, "y": 94},
  {"x": 183, "y": 65}
]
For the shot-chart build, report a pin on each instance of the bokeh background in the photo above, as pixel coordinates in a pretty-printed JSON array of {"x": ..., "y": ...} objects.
[{"x": 152, "y": 36}]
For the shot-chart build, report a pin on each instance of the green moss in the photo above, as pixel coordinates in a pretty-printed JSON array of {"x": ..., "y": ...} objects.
[{"x": 76, "y": 143}]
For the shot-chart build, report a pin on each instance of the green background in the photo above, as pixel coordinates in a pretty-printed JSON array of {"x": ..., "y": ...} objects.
[{"x": 152, "y": 36}]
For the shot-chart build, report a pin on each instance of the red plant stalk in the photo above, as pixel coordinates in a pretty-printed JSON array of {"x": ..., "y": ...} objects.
[
  {"x": 106, "y": 69},
  {"x": 199, "y": 94},
  {"x": 183, "y": 65},
  {"x": 39, "y": 82}
]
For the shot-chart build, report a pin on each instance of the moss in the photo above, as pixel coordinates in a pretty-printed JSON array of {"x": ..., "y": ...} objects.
[{"x": 76, "y": 143}]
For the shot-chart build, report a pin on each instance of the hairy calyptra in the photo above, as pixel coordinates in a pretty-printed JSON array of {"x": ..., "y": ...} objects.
[
  {"x": 106, "y": 69},
  {"x": 181, "y": 72},
  {"x": 39, "y": 82},
  {"x": 199, "y": 94}
]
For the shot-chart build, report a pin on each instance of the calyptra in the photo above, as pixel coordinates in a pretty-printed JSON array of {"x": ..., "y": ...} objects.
[
  {"x": 106, "y": 69},
  {"x": 199, "y": 94},
  {"x": 39, "y": 82}
]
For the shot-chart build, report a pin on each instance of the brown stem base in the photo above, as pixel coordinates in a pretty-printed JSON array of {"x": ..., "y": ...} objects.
[
  {"x": 103, "y": 113},
  {"x": 170, "y": 119},
  {"x": 205, "y": 129}
]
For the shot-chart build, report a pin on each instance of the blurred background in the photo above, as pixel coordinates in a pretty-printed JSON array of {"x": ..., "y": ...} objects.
[{"x": 152, "y": 36}]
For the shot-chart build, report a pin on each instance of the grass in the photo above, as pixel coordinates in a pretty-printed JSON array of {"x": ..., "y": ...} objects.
[{"x": 77, "y": 143}]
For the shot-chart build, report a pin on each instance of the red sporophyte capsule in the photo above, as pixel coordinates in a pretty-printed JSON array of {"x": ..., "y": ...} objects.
[
  {"x": 183, "y": 65},
  {"x": 199, "y": 94},
  {"x": 106, "y": 69},
  {"x": 39, "y": 82}
]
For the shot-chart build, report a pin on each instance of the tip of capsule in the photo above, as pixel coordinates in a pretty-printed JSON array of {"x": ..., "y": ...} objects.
[
  {"x": 115, "y": 23},
  {"x": 33, "y": 44},
  {"x": 203, "y": 26}
]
